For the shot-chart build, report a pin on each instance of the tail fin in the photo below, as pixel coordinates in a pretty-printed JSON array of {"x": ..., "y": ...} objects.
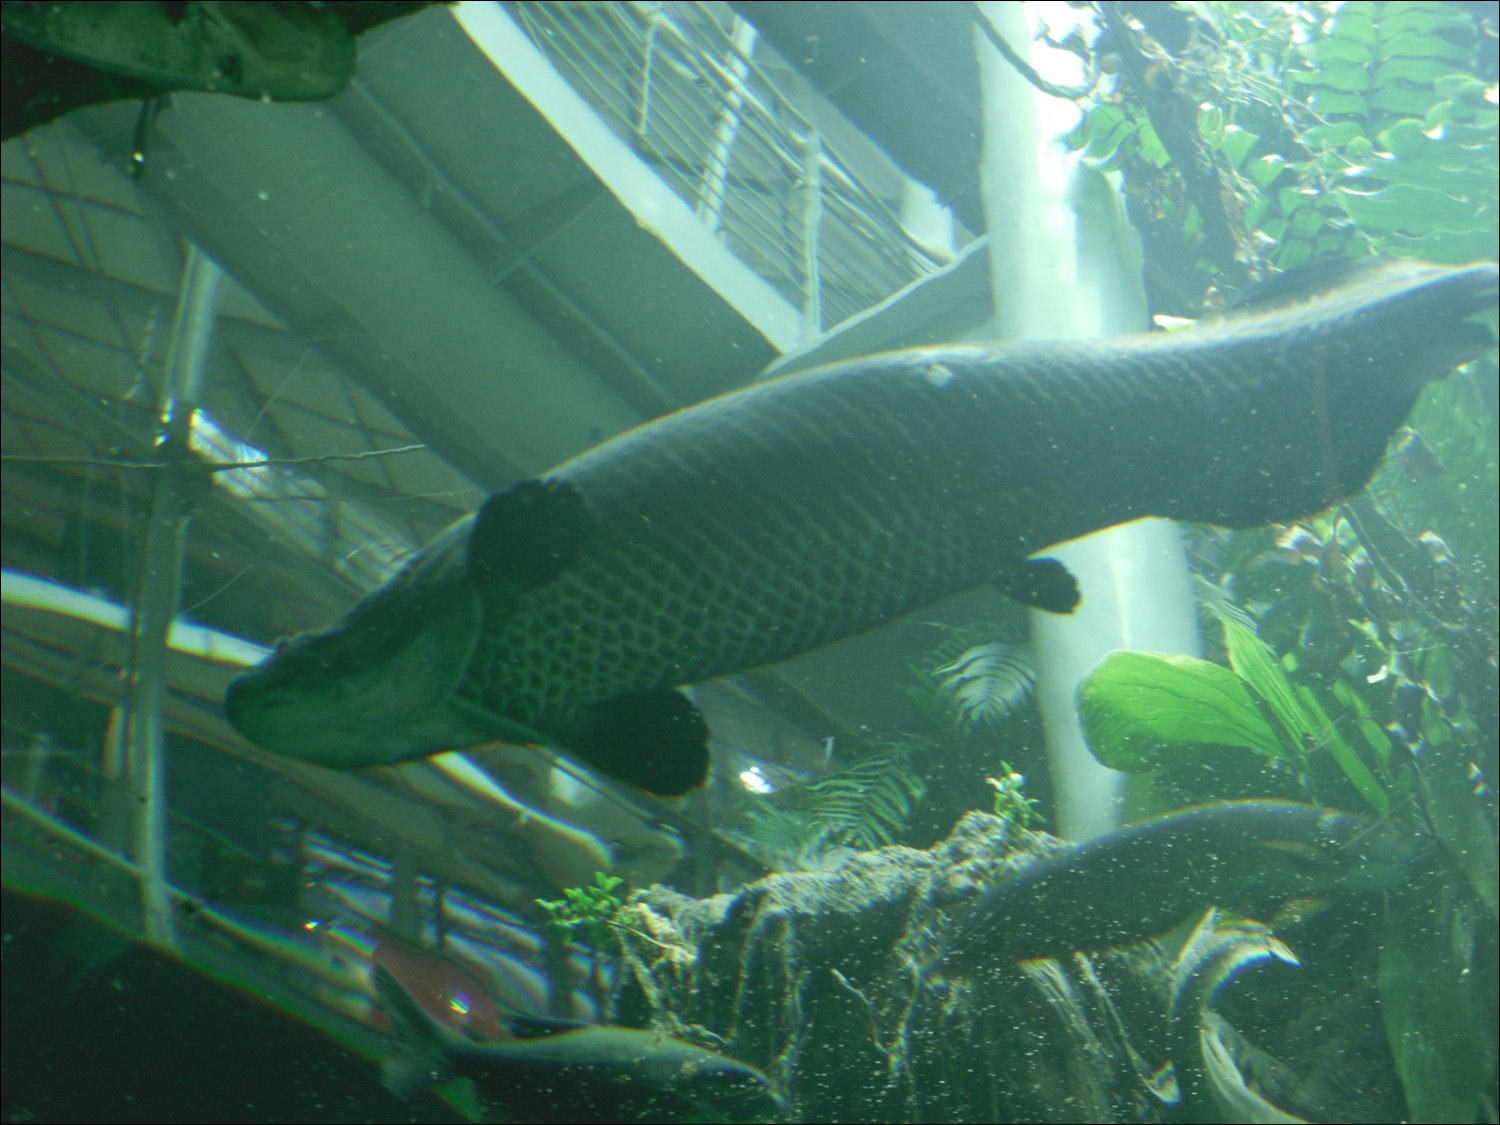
[{"x": 421, "y": 1057}]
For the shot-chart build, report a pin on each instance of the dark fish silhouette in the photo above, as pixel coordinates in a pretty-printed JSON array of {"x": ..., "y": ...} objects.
[
  {"x": 1141, "y": 881},
  {"x": 574, "y": 1073},
  {"x": 767, "y": 522}
]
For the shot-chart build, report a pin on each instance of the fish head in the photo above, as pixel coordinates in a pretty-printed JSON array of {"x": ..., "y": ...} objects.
[{"x": 378, "y": 686}]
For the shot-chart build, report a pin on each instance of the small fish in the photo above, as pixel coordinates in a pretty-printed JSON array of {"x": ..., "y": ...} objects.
[
  {"x": 1141, "y": 881},
  {"x": 573, "y": 1073},
  {"x": 796, "y": 512}
]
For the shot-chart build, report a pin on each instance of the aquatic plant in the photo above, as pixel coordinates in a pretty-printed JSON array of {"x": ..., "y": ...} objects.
[
  {"x": 1291, "y": 132},
  {"x": 863, "y": 805},
  {"x": 1012, "y": 805},
  {"x": 982, "y": 686},
  {"x": 587, "y": 914}
]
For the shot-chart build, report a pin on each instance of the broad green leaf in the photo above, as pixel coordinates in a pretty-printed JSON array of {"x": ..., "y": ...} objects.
[
  {"x": 1462, "y": 182},
  {"x": 1394, "y": 99},
  {"x": 1411, "y": 210},
  {"x": 1456, "y": 814},
  {"x": 1335, "y": 134},
  {"x": 1291, "y": 198},
  {"x": 1422, "y": 71},
  {"x": 1375, "y": 736},
  {"x": 1441, "y": 246},
  {"x": 1423, "y": 17},
  {"x": 1461, "y": 88},
  {"x": 1326, "y": 102},
  {"x": 1256, "y": 664},
  {"x": 1359, "y": 774},
  {"x": 1429, "y": 999},
  {"x": 1306, "y": 223},
  {"x": 1263, "y": 171},
  {"x": 1237, "y": 144},
  {"x": 1354, "y": 24},
  {"x": 1294, "y": 252},
  {"x": 1409, "y": 139},
  {"x": 1346, "y": 77},
  {"x": 1413, "y": 45},
  {"x": 1334, "y": 49},
  {"x": 1136, "y": 706},
  {"x": 1151, "y": 147},
  {"x": 1211, "y": 125}
]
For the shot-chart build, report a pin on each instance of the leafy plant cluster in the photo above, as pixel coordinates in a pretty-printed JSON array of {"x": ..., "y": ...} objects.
[
  {"x": 587, "y": 914},
  {"x": 1322, "y": 130},
  {"x": 966, "y": 687},
  {"x": 861, "y": 806}
]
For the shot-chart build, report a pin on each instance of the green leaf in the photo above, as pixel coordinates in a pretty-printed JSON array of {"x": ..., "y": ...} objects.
[
  {"x": 1151, "y": 147},
  {"x": 1211, "y": 125},
  {"x": 1457, "y": 817},
  {"x": 1306, "y": 222},
  {"x": 1430, "y": 1002},
  {"x": 1417, "y": 47},
  {"x": 1256, "y": 664},
  {"x": 1393, "y": 99},
  {"x": 1335, "y": 134},
  {"x": 1423, "y": 71},
  {"x": 1461, "y": 88},
  {"x": 1354, "y": 24},
  {"x": 1289, "y": 199},
  {"x": 1135, "y": 707},
  {"x": 1237, "y": 144},
  {"x": 1336, "y": 49},
  {"x": 1263, "y": 171},
  {"x": 1422, "y": 17},
  {"x": 986, "y": 683},
  {"x": 1411, "y": 210},
  {"x": 1352, "y": 78},
  {"x": 1326, "y": 102},
  {"x": 1294, "y": 252},
  {"x": 1354, "y": 768}
]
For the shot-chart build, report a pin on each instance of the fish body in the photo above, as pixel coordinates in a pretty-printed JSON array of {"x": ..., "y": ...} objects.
[
  {"x": 575, "y": 1073},
  {"x": 793, "y": 513},
  {"x": 1139, "y": 882}
]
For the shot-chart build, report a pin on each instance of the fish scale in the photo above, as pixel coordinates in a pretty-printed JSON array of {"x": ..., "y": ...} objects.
[{"x": 776, "y": 519}]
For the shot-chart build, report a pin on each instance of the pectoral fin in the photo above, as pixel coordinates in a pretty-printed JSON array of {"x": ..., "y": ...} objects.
[
  {"x": 1042, "y": 584},
  {"x": 526, "y": 536},
  {"x": 654, "y": 739}
]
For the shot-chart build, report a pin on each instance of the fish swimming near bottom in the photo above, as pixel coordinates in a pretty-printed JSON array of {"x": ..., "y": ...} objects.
[
  {"x": 775, "y": 519},
  {"x": 1139, "y": 882},
  {"x": 574, "y": 1073}
]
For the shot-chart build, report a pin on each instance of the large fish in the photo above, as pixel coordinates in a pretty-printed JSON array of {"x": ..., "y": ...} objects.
[
  {"x": 557, "y": 1072},
  {"x": 796, "y": 512},
  {"x": 1140, "y": 881}
]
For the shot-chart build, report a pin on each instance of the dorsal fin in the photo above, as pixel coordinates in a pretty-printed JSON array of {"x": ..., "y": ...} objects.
[
  {"x": 1315, "y": 279},
  {"x": 528, "y": 535}
]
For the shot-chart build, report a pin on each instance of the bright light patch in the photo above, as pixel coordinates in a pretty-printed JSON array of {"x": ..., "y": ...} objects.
[{"x": 755, "y": 781}]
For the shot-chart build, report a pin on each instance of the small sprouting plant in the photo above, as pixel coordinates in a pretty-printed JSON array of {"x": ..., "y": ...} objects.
[
  {"x": 587, "y": 914},
  {"x": 1011, "y": 804}
]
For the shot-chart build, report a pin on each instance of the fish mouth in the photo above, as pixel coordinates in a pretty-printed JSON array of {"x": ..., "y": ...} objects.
[{"x": 376, "y": 688}]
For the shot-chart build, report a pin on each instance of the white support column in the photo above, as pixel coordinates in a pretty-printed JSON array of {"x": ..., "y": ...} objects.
[
  {"x": 1066, "y": 264},
  {"x": 159, "y": 589}
]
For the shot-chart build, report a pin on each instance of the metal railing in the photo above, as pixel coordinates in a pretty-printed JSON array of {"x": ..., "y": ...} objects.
[{"x": 683, "y": 89}]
